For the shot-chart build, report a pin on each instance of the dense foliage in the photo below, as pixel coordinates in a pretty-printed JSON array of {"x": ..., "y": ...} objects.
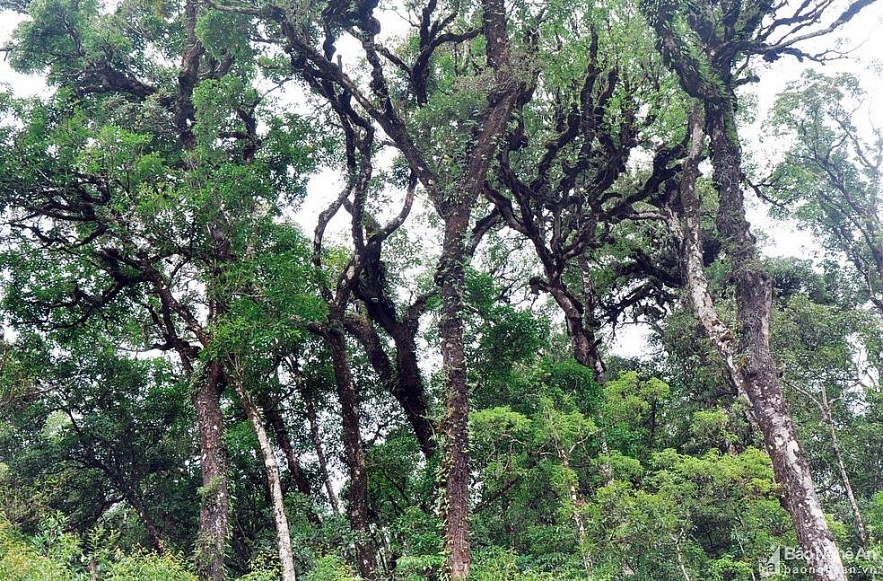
[{"x": 421, "y": 382}]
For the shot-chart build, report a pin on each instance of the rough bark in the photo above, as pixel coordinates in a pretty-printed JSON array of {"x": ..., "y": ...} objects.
[
  {"x": 503, "y": 97},
  {"x": 127, "y": 247},
  {"x": 357, "y": 500},
  {"x": 455, "y": 424},
  {"x": 409, "y": 388},
  {"x": 215, "y": 500},
  {"x": 754, "y": 292},
  {"x": 748, "y": 358},
  {"x": 209, "y": 385},
  {"x": 280, "y": 520},
  {"x": 684, "y": 223},
  {"x": 710, "y": 75},
  {"x": 453, "y": 202}
]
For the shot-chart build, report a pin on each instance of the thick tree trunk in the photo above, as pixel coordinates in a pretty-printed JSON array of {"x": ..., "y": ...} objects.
[
  {"x": 591, "y": 323},
  {"x": 404, "y": 380},
  {"x": 215, "y": 501},
  {"x": 791, "y": 470},
  {"x": 754, "y": 294},
  {"x": 685, "y": 225},
  {"x": 283, "y": 534},
  {"x": 455, "y": 424},
  {"x": 750, "y": 362},
  {"x": 582, "y": 343},
  {"x": 507, "y": 89},
  {"x": 355, "y": 453}
]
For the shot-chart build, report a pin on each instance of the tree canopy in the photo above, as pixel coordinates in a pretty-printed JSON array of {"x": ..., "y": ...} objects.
[{"x": 330, "y": 291}]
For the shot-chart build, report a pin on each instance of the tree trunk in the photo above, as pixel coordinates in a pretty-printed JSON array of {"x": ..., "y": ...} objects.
[
  {"x": 583, "y": 343},
  {"x": 215, "y": 501},
  {"x": 575, "y": 501},
  {"x": 676, "y": 539},
  {"x": 409, "y": 390},
  {"x": 754, "y": 293},
  {"x": 860, "y": 527},
  {"x": 455, "y": 424},
  {"x": 403, "y": 381},
  {"x": 157, "y": 539},
  {"x": 283, "y": 534},
  {"x": 315, "y": 438},
  {"x": 214, "y": 504},
  {"x": 355, "y": 453},
  {"x": 750, "y": 363},
  {"x": 280, "y": 431},
  {"x": 825, "y": 409},
  {"x": 685, "y": 225},
  {"x": 455, "y": 208}
]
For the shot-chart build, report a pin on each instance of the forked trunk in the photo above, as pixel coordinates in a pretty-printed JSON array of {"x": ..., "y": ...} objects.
[
  {"x": 754, "y": 295},
  {"x": 403, "y": 380}
]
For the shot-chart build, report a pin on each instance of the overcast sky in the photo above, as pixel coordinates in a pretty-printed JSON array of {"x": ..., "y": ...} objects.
[{"x": 863, "y": 38}]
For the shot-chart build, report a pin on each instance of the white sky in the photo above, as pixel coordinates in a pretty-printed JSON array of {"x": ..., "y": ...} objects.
[
  {"x": 863, "y": 37},
  {"x": 23, "y": 85}
]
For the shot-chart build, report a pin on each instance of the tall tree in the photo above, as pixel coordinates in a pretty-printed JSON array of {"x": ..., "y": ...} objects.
[
  {"x": 830, "y": 183},
  {"x": 565, "y": 185},
  {"x": 147, "y": 173},
  {"x": 452, "y": 173},
  {"x": 830, "y": 179},
  {"x": 708, "y": 45}
]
